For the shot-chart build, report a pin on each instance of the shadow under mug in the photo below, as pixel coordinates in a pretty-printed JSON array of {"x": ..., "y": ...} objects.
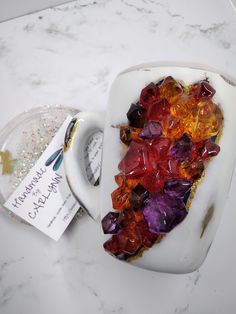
[{"x": 184, "y": 249}]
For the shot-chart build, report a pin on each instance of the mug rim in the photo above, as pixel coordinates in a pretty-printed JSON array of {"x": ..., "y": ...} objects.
[{"x": 180, "y": 64}]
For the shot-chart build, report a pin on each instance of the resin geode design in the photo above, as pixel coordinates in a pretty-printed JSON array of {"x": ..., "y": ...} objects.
[{"x": 169, "y": 138}]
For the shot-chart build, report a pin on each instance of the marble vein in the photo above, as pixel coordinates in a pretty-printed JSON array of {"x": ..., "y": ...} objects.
[{"x": 182, "y": 310}]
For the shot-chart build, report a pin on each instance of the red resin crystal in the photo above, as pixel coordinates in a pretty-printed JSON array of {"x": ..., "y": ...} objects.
[
  {"x": 129, "y": 238},
  {"x": 134, "y": 235},
  {"x": 169, "y": 168},
  {"x": 112, "y": 246},
  {"x": 158, "y": 110},
  {"x": 149, "y": 95},
  {"x": 160, "y": 147},
  {"x": 148, "y": 237},
  {"x": 136, "y": 161},
  {"x": 153, "y": 181},
  {"x": 210, "y": 149},
  {"x": 202, "y": 90}
]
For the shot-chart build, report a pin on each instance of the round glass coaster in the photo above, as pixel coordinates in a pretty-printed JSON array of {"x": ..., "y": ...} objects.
[{"x": 23, "y": 140}]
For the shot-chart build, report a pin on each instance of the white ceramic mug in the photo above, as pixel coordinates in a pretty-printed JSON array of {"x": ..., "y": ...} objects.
[{"x": 185, "y": 248}]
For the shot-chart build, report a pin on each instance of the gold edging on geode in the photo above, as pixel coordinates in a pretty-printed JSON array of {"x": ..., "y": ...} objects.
[
  {"x": 143, "y": 249},
  {"x": 72, "y": 133},
  {"x": 193, "y": 191},
  {"x": 220, "y": 133}
]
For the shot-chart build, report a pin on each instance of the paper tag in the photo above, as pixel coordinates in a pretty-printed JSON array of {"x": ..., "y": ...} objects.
[{"x": 44, "y": 198}]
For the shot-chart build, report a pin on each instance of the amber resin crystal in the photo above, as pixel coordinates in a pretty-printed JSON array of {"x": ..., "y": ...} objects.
[{"x": 170, "y": 135}]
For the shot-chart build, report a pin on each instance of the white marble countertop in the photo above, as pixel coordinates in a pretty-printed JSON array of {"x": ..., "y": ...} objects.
[{"x": 70, "y": 55}]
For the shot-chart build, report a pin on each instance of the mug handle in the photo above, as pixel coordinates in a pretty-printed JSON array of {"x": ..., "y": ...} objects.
[{"x": 79, "y": 130}]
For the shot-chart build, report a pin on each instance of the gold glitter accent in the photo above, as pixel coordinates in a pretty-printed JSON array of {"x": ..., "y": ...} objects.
[
  {"x": 143, "y": 249},
  {"x": 207, "y": 219},
  {"x": 137, "y": 256},
  {"x": 72, "y": 133},
  {"x": 187, "y": 88},
  {"x": 220, "y": 133},
  {"x": 7, "y": 162},
  {"x": 193, "y": 191}
]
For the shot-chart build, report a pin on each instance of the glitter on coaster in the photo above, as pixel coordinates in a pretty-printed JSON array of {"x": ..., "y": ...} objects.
[{"x": 25, "y": 138}]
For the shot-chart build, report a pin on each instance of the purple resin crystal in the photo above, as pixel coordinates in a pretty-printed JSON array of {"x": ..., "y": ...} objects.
[
  {"x": 177, "y": 187},
  {"x": 110, "y": 223},
  {"x": 151, "y": 129},
  {"x": 182, "y": 148},
  {"x": 162, "y": 212}
]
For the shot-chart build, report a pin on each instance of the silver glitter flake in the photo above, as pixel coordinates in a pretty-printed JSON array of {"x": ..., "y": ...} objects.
[{"x": 34, "y": 134}]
